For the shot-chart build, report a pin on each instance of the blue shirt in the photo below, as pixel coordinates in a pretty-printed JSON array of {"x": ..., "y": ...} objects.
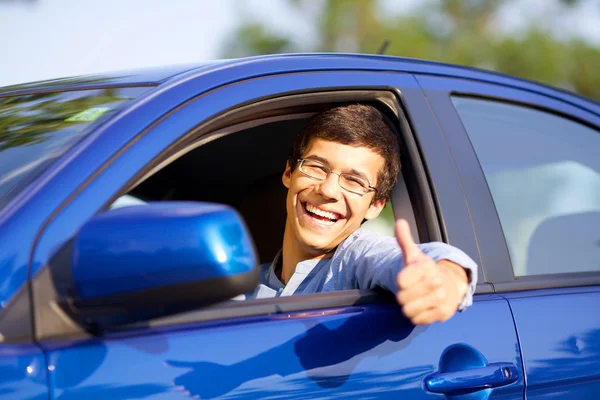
[{"x": 364, "y": 260}]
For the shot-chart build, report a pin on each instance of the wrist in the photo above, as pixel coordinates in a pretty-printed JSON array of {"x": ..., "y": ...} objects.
[{"x": 458, "y": 275}]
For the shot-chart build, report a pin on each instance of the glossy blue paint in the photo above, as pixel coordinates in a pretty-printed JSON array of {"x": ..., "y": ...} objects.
[
  {"x": 138, "y": 248},
  {"x": 140, "y": 77},
  {"x": 465, "y": 371},
  {"x": 319, "y": 62},
  {"x": 559, "y": 332},
  {"x": 23, "y": 372},
  {"x": 468, "y": 380},
  {"x": 514, "y": 94},
  {"x": 357, "y": 352}
]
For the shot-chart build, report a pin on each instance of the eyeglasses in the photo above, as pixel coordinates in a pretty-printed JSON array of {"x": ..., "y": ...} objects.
[{"x": 317, "y": 170}]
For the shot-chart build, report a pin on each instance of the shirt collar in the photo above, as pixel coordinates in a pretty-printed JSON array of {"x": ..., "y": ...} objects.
[
  {"x": 307, "y": 265},
  {"x": 271, "y": 277}
]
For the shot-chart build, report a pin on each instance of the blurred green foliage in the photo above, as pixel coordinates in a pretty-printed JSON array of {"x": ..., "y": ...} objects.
[
  {"x": 462, "y": 32},
  {"x": 33, "y": 118}
]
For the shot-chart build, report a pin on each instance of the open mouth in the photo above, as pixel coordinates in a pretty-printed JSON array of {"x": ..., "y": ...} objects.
[{"x": 323, "y": 217}]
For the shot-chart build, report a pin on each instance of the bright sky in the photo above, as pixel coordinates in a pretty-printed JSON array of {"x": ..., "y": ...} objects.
[
  {"x": 57, "y": 38},
  {"x": 47, "y": 39}
]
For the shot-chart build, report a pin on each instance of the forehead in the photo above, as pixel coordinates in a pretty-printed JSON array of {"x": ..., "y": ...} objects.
[{"x": 344, "y": 158}]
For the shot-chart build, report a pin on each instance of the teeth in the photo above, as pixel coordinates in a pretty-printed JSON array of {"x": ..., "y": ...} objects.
[{"x": 325, "y": 214}]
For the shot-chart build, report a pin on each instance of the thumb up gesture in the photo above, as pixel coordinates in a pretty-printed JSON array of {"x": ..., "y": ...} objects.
[{"x": 430, "y": 291}]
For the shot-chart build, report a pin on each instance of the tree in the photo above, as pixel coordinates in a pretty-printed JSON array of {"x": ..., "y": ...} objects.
[
  {"x": 254, "y": 38},
  {"x": 457, "y": 31}
]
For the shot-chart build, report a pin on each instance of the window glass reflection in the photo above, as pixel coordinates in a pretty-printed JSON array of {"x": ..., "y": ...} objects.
[{"x": 543, "y": 172}]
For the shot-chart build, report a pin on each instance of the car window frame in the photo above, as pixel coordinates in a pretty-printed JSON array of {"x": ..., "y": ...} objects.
[
  {"x": 490, "y": 237},
  {"x": 398, "y": 83},
  {"x": 340, "y": 298}
]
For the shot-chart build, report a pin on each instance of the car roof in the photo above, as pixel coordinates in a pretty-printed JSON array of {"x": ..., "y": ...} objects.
[
  {"x": 339, "y": 61},
  {"x": 151, "y": 76}
]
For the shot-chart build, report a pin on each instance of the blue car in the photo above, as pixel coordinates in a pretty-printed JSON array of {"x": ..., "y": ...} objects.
[{"x": 135, "y": 208}]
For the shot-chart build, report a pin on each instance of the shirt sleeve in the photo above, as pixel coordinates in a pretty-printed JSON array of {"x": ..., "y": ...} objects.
[{"x": 377, "y": 264}]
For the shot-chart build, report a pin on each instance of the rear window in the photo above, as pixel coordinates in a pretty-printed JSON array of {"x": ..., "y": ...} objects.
[{"x": 36, "y": 129}]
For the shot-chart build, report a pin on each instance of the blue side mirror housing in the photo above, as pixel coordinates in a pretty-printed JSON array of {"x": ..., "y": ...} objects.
[{"x": 167, "y": 254}]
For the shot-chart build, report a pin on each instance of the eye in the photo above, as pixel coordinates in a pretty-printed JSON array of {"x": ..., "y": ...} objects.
[
  {"x": 355, "y": 181},
  {"x": 314, "y": 169},
  {"x": 316, "y": 166}
]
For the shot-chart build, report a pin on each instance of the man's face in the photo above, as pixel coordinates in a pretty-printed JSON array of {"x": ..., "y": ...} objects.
[{"x": 307, "y": 198}]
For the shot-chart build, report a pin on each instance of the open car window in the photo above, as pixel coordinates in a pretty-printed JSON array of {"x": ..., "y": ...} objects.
[{"x": 241, "y": 165}]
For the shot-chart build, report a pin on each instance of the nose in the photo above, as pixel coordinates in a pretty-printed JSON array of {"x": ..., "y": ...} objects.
[{"x": 330, "y": 188}]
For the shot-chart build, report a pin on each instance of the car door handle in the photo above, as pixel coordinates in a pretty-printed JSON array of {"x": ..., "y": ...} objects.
[{"x": 492, "y": 375}]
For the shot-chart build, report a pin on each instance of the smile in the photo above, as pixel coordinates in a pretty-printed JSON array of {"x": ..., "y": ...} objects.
[{"x": 322, "y": 217}]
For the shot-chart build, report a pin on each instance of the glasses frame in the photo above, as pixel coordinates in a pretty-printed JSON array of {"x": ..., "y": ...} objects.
[{"x": 330, "y": 171}]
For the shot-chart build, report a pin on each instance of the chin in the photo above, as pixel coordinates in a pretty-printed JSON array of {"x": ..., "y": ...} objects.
[{"x": 318, "y": 246}]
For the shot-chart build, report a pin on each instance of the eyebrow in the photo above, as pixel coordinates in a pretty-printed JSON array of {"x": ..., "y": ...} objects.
[{"x": 351, "y": 171}]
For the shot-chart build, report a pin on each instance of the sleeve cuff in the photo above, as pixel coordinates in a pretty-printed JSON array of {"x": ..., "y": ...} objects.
[
  {"x": 441, "y": 251},
  {"x": 468, "y": 299}
]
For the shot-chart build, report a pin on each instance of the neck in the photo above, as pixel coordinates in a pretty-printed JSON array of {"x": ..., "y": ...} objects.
[{"x": 291, "y": 255}]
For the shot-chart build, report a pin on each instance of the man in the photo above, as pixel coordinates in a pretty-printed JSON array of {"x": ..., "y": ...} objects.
[{"x": 343, "y": 166}]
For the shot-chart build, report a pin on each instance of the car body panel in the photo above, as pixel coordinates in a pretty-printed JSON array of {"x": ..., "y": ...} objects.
[
  {"x": 348, "y": 352},
  {"x": 558, "y": 328},
  {"x": 23, "y": 372},
  {"x": 141, "y": 77},
  {"x": 560, "y": 346},
  {"x": 285, "y": 63},
  {"x": 512, "y": 94}
]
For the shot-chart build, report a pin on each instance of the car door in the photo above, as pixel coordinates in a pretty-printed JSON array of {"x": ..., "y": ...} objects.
[
  {"x": 536, "y": 210},
  {"x": 348, "y": 344},
  {"x": 38, "y": 126}
]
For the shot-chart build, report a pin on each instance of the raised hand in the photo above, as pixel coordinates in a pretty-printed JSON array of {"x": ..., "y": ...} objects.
[{"x": 430, "y": 291}]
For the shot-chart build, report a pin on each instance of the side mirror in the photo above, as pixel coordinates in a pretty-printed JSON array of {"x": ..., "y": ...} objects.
[{"x": 171, "y": 255}]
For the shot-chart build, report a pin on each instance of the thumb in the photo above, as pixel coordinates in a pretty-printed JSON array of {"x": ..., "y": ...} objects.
[{"x": 410, "y": 250}]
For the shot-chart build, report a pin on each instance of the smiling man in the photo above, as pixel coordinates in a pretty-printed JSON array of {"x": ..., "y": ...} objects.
[{"x": 343, "y": 166}]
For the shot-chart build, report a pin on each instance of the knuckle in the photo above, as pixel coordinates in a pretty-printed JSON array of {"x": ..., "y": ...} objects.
[
  {"x": 401, "y": 297},
  {"x": 440, "y": 294},
  {"x": 402, "y": 285},
  {"x": 408, "y": 311},
  {"x": 411, "y": 309},
  {"x": 435, "y": 282}
]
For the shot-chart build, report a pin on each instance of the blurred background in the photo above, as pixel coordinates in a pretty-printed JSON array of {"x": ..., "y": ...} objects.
[{"x": 552, "y": 41}]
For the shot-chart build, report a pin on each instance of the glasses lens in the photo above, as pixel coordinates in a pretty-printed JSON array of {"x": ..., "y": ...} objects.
[
  {"x": 314, "y": 169},
  {"x": 354, "y": 184}
]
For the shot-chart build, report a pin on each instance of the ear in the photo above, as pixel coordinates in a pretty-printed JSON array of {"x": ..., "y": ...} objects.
[
  {"x": 287, "y": 175},
  {"x": 375, "y": 209}
]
